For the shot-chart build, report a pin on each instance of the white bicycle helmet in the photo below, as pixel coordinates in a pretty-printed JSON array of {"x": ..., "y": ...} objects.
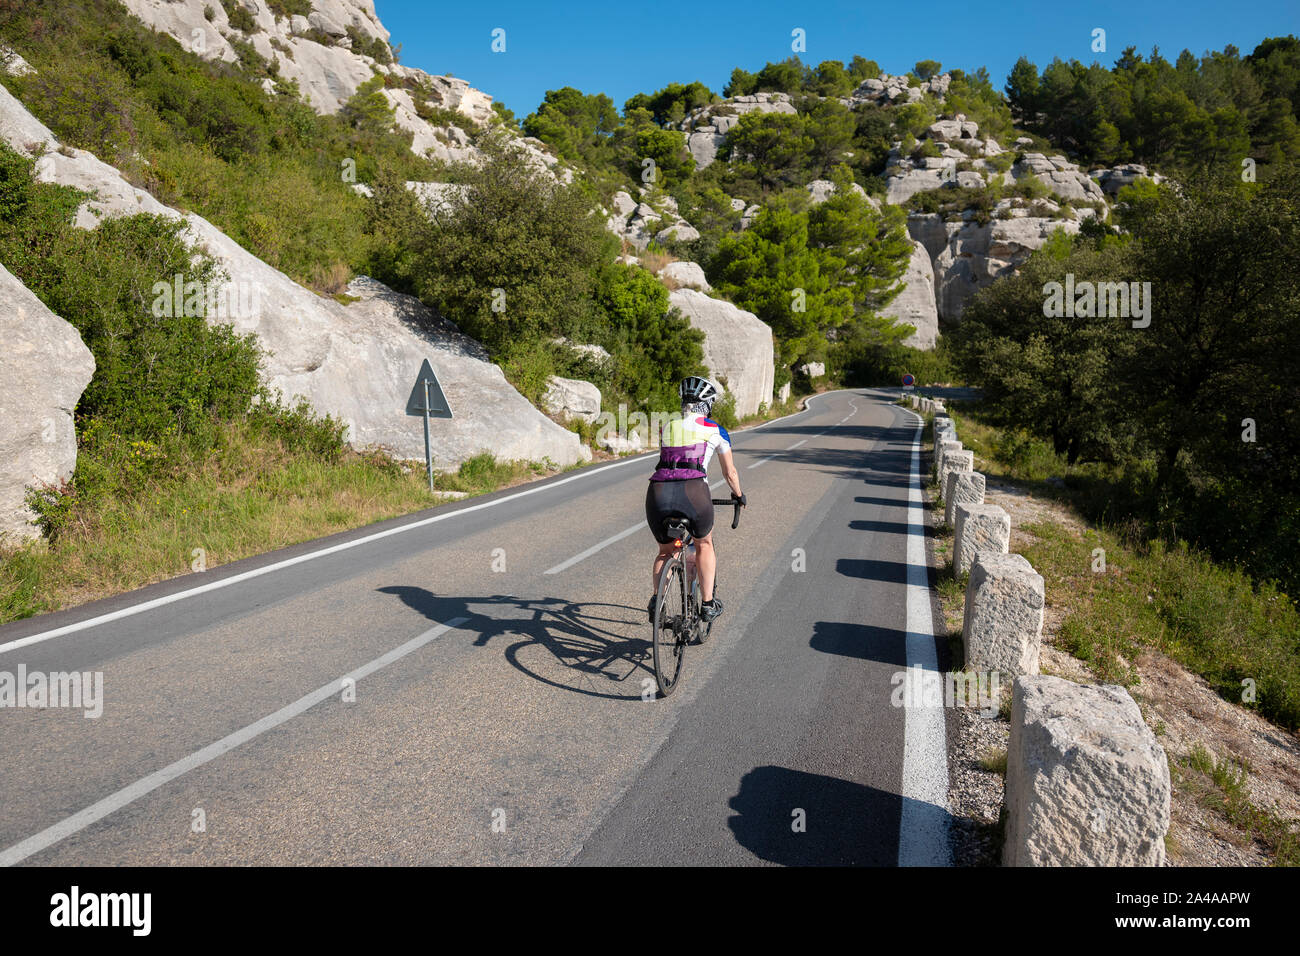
[{"x": 696, "y": 390}]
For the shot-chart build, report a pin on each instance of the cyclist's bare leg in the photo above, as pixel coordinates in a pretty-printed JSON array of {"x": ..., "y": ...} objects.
[
  {"x": 665, "y": 552},
  {"x": 706, "y": 561}
]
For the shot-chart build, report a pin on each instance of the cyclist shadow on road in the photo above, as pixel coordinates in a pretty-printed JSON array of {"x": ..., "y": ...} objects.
[{"x": 577, "y": 646}]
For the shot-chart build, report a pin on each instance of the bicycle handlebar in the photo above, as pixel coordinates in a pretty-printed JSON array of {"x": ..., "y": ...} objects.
[{"x": 735, "y": 520}]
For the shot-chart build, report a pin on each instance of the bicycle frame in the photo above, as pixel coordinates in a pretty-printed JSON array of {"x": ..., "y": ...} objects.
[{"x": 684, "y": 560}]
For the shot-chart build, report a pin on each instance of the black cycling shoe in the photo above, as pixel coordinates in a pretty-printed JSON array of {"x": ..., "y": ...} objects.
[
  {"x": 650, "y": 608},
  {"x": 710, "y": 611}
]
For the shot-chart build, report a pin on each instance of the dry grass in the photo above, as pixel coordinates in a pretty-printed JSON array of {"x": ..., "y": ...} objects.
[
  {"x": 655, "y": 261},
  {"x": 332, "y": 279},
  {"x": 249, "y": 497}
]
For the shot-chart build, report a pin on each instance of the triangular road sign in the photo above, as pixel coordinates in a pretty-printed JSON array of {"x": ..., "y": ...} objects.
[{"x": 438, "y": 407}]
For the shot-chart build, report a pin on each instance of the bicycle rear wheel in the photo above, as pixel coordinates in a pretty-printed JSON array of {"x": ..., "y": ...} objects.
[{"x": 672, "y": 626}]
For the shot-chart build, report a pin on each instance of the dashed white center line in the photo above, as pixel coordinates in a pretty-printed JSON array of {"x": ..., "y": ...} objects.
[
  {"x": 760, "y": 462},
  {"x": 146, "y": 785},
  {"x": 802, "y": 441}
]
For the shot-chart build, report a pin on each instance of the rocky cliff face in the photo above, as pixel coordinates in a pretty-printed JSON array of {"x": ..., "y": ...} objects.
[
  {"x": 966, "y": 255},
  {"x": 44, "y": 368},
  {"x": 356, "y": 362},
  {"x": 328, "y": 54}
]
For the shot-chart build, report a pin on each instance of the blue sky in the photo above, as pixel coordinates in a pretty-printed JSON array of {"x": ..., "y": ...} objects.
[{"x": 630, "y": 47}]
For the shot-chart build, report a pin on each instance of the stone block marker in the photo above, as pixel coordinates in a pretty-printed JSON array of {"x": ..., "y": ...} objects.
[
  {"x": 941, "y": 447},
  {"x": 1087, "y": 781},
  {"x": 955, "y": 461},
  {"x": 978, "y": 528},
  {"x": 961, "y": 487},
  {"x": 1003, "y": 625}
]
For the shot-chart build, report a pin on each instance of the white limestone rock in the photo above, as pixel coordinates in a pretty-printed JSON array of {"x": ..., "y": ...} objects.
[
  {"x": 915, "y": 305},
  {"x": 680, "y": 231},
  {"x": 737, "y": 347},
  {"x": 572, "y": 398},
  {"x": 12, "y": 63},
  {"x": 974, "y": 254},
  {"x": 355, "y": 362},
  {"x": 686, "y": 274},
  {"x": 704, "y": 145},
  {"x": 44, "y": 368}
]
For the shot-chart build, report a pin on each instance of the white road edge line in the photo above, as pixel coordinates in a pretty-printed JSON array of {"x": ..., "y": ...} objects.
[
  {"x": 312, "y": 555},
  {"x": 288, "y": 562},
  {"x": 923, "y": 821},
  {"x": 145, "y": 785}
]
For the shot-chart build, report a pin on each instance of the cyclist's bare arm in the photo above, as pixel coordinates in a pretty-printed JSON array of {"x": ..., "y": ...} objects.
[{"x": 729, "y": 472}]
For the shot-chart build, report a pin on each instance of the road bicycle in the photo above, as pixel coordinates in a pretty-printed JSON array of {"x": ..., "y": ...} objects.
[{"x": 677, "y": 602}]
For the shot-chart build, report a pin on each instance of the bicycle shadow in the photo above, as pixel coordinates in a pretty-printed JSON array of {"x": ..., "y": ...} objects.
[{"x": 586, "y": 653}]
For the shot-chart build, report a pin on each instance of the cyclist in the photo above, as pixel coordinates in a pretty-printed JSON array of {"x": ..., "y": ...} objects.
[{"x": 679, "y": 486}]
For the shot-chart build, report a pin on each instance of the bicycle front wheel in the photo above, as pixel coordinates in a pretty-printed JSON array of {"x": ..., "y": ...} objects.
[{"x": 672, "y": 626}]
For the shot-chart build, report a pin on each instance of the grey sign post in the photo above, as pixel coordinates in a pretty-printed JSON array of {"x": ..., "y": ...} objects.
[{"x": 428, "y": 402}]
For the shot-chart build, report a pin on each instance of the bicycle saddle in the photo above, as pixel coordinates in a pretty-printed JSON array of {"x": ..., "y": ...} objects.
[{"x": 675, "y": 528}]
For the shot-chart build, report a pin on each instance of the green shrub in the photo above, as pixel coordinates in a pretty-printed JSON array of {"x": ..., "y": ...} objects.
[
  {"x": 928, "y": 149},
  {"x": 239, "y": 17},
  {"x": 516, "y": 261},
  {"x": 724, "y": 411},
  {"x": 372, "y": 47},
  {"x": 653, "y": 347},
  {"x": 298, "y": 427},
  {"x": 289, "y": 8}
]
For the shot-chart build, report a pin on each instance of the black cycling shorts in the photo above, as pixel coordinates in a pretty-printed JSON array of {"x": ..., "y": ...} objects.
[{"x": 689, "y": 499}]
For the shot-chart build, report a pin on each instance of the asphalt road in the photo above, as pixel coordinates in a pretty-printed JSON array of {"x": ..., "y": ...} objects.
[{"x": 467, "y": 685}]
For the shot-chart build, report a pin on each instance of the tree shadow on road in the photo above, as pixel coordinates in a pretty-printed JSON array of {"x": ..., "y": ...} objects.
[
  {"x": 796, "y": 818},
  {"x": 885, "y": 645},
  {"x": 588, "y": 652}
]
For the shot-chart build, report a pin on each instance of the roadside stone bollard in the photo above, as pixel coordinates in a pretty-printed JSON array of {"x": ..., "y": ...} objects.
[
  {"x": 943, "y": 446},
  {"x": 978, "y": 528},
  {"x": 1003, "y": 625},
  {"x": 955, "y": 461},
  {"x": 1087, "y": 781},
  {"x": 961, "y": 487}
]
